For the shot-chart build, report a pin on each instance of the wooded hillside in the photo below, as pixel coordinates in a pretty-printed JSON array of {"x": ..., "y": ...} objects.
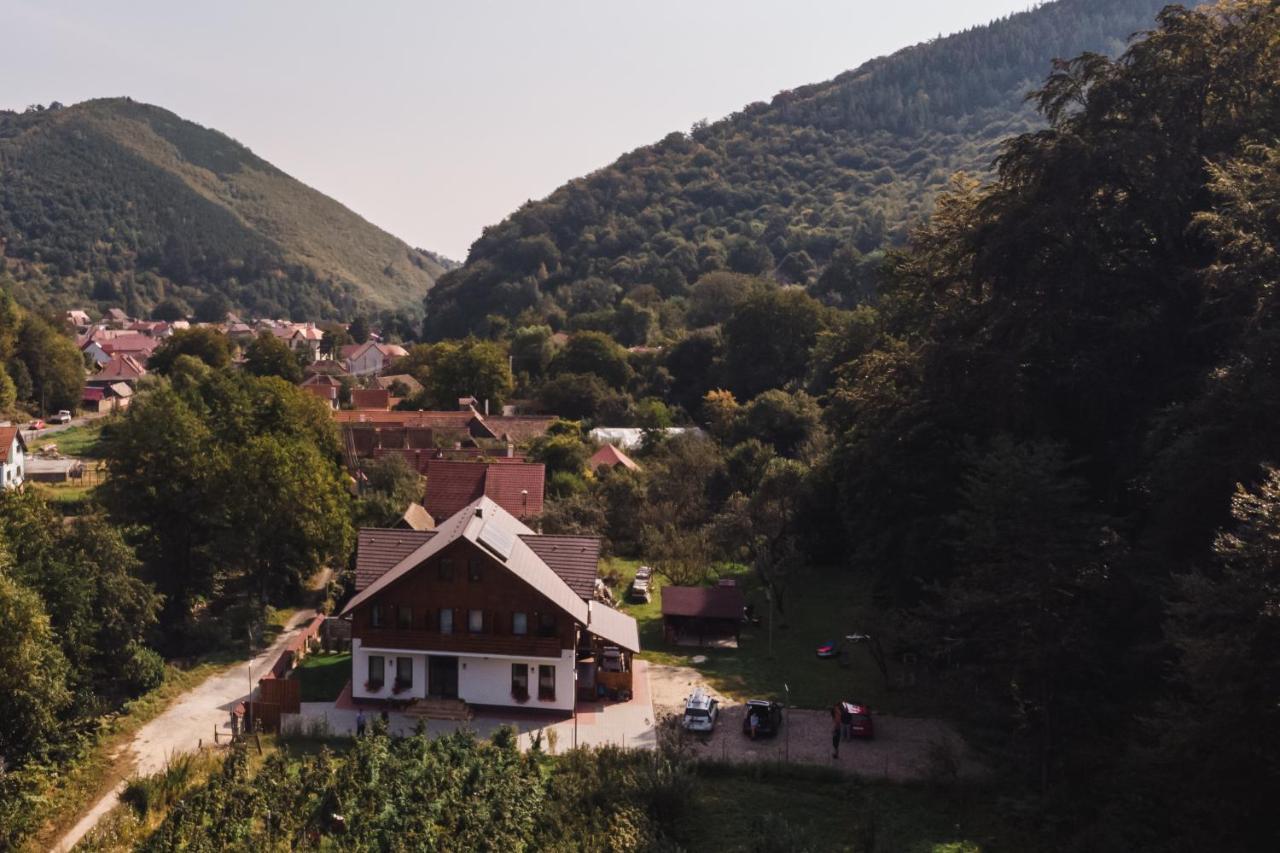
[
  {"x": 829, "y": 171},
  {"x": 121, "y": 203}
]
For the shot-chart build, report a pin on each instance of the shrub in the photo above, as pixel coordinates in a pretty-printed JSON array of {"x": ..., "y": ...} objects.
[{"x": 143, "y": 668}]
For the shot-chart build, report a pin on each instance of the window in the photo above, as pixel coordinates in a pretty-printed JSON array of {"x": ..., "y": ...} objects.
[
  {"x": 475, "y": 621},
  {"x": 546, "y": 624},
  {"x": 547, "y": 683},
  {"x": 446, "y": 621},
  {"x": 519, "y": 623},
  {"x": 446, "y": 569},
  {"x": 520, "y": 681},
  {"x": 474, "y": 570},
  {"x": 404, "y": 673},
  {"x": 404, "y": 616},
  {"x": 377, "y": 672},
  {"x": 375, "y": 615}
]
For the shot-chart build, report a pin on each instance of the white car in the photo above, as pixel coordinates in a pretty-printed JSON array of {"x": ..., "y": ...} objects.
[
  {"x": 700, "y": 712},
  {"x": 63, "y": 417}
]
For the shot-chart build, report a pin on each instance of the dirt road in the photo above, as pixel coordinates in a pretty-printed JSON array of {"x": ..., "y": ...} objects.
[
  {"x": 904, "y": 748},
  {"x": 191, "y": 719}
]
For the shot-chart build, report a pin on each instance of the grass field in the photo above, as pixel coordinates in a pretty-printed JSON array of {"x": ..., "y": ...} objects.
[
  {"x": 323, "y": 676},
  {"x": 823, "y": 604},
  {"x": 84, "y": 442}
]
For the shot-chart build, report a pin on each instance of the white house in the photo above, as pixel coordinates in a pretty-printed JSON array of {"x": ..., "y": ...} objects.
[
  {"x": 370, "y": 358},
  {"x": 486, "y": 612},
  {"x": 13, "y": 467}
]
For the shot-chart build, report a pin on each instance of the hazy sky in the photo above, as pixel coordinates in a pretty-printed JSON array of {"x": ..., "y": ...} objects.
[{"x": 434, "y": 119}]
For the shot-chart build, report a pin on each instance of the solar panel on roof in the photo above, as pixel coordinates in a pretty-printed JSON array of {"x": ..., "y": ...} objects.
[{"x": 497, "y": 539}]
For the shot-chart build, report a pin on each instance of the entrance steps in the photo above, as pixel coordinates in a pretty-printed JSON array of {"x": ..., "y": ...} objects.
[{"x": 433, "y": 708}]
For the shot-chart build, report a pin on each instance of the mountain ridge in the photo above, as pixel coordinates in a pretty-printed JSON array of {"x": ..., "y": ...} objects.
[
  {"x": 780, "y": 188},
  {"x": 121, "y": 202}
]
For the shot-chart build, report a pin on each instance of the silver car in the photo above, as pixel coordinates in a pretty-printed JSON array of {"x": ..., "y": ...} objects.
[{"x": 700, "y": 712}]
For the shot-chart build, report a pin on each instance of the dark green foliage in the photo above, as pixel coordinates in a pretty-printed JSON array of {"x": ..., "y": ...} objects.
[
  {"x": 128, "y": 205},
  {"x": 768, "y": 338},
  {"x": 594, "y": 353},
  {"x": 390, "y": 486},
  {"x": 780, "y": 189},
  {"x": 267, "y": 355},
  {"x": 244, "y": 496},
  {"x": 205, "y": 343}
]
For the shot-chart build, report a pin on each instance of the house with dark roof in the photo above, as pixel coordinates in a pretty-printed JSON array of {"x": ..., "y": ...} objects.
[
  {"x": 517, "y": 487},
  {"x": 121, "y": 368},
  {"x": 482, "y": 611}
]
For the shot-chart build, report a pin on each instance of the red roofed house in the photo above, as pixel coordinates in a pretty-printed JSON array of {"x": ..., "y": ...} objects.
[
  {"x": 482, "y": 611},
  {"x": 106, "y": 398},
  {"x": 517, "y": 487},
  {"x": 13, "y": 465},
  {"x": 121, "y": 368},
  {"x": 610, "y": 456},
  {"x": 371, "y": 398}
]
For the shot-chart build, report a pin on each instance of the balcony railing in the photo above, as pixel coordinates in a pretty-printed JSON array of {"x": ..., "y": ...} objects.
[{"x": 459, "y": 643}]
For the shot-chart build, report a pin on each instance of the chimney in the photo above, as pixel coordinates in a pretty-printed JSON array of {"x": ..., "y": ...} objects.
[{"x": 479, "y": 512}]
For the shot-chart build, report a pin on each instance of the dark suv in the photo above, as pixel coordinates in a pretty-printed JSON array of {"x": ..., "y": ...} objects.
[{"x": 762, "y": 718}]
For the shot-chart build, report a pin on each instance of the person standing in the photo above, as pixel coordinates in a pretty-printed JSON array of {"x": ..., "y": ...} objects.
[
  {"x": 835, "y": 731},
  {"x": 360, "y": 723}
]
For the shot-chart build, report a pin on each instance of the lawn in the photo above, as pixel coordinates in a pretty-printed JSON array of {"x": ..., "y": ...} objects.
[
  {"x": 84, "y": 442},
  {"x": 823, "y": 604},
  {"x": 323, "y": 675}
]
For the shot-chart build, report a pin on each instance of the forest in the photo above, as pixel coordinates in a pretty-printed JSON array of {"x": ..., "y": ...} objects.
[
  {"x": 115, "y": 203},
  {"x": 800, "y": 190}
]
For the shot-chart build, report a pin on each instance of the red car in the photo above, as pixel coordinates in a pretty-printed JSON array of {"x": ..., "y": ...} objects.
[
  {"x": 36, "y": 424},
  {"x": 858, "y": 719}
]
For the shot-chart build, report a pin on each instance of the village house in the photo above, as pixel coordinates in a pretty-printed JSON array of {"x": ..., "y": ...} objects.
[
  {"x": 483, "y": 611},
  {"x": 370, "y": 358},
  {"x": 119, "y": 368},
  {"x": 110, "y": 397},
  {"x": 516, "y": 486},
  {"x": 13, "y": 468}
]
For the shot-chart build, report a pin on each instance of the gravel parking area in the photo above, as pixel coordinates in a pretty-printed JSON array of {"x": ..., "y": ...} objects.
[{"x": 904, "y": 748}]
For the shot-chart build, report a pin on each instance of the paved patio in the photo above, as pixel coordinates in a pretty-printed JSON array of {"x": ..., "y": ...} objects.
[{"x": 629, "y": 724}]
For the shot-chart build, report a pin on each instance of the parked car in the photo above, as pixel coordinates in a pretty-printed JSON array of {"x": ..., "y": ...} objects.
[
  {"x": 860, "y": 724},
  {"x": 36, "y": 424},
  {"x": 700, "y": 712},
  {"x": 639, "y": 590},
  {"x": 63, "y": 417},
  {"x": 763, "y": 718}
]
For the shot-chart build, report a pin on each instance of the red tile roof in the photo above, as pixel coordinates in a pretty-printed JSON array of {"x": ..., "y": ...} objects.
[
  {"x": 7, "y": 435},
  {"x": 328, "y": 393},
  {"x": 703, "y": 602},
  {"x": 371, "y": 398},
  {"x": 610, "y": 456},
  {"x": 133, "y": 343},
  {"x": 451, "y": 485},
  {"x": 121, "y": 368}
]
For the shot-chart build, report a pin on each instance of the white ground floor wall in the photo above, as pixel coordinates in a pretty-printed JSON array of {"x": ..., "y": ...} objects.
[{"x": 482, "y": 679}]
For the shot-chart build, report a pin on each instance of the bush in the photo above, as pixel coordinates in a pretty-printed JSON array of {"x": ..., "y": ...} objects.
[{"x": 142, "y": 668}]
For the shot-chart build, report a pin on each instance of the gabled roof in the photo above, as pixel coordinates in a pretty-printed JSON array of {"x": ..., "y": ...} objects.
[
  {"x": 516, "y": 486},
  {"x": 379, "y": 549},
  {"x": 130, "y": 343},
  {"x": 518, "y": 428},
  {"x": 7, "y": 436},
  {"x": 120, "y": 389},
  {"x": 479, "y": 522},
  {"x": 325, "y": 379},
  {"x": 576, "y": 559},
  {"x": 405, "y": 379},
  {"x": 370, "y": 398},
  {"x": 121, "y": 368},
  {"x": 611, "y": 456}
]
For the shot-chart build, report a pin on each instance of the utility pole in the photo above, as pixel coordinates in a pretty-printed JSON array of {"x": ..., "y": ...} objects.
[
  {"x": 786, "y": 723},
  {"x": 768, "y": 594},
  {"x": 248, "y": 702}
]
